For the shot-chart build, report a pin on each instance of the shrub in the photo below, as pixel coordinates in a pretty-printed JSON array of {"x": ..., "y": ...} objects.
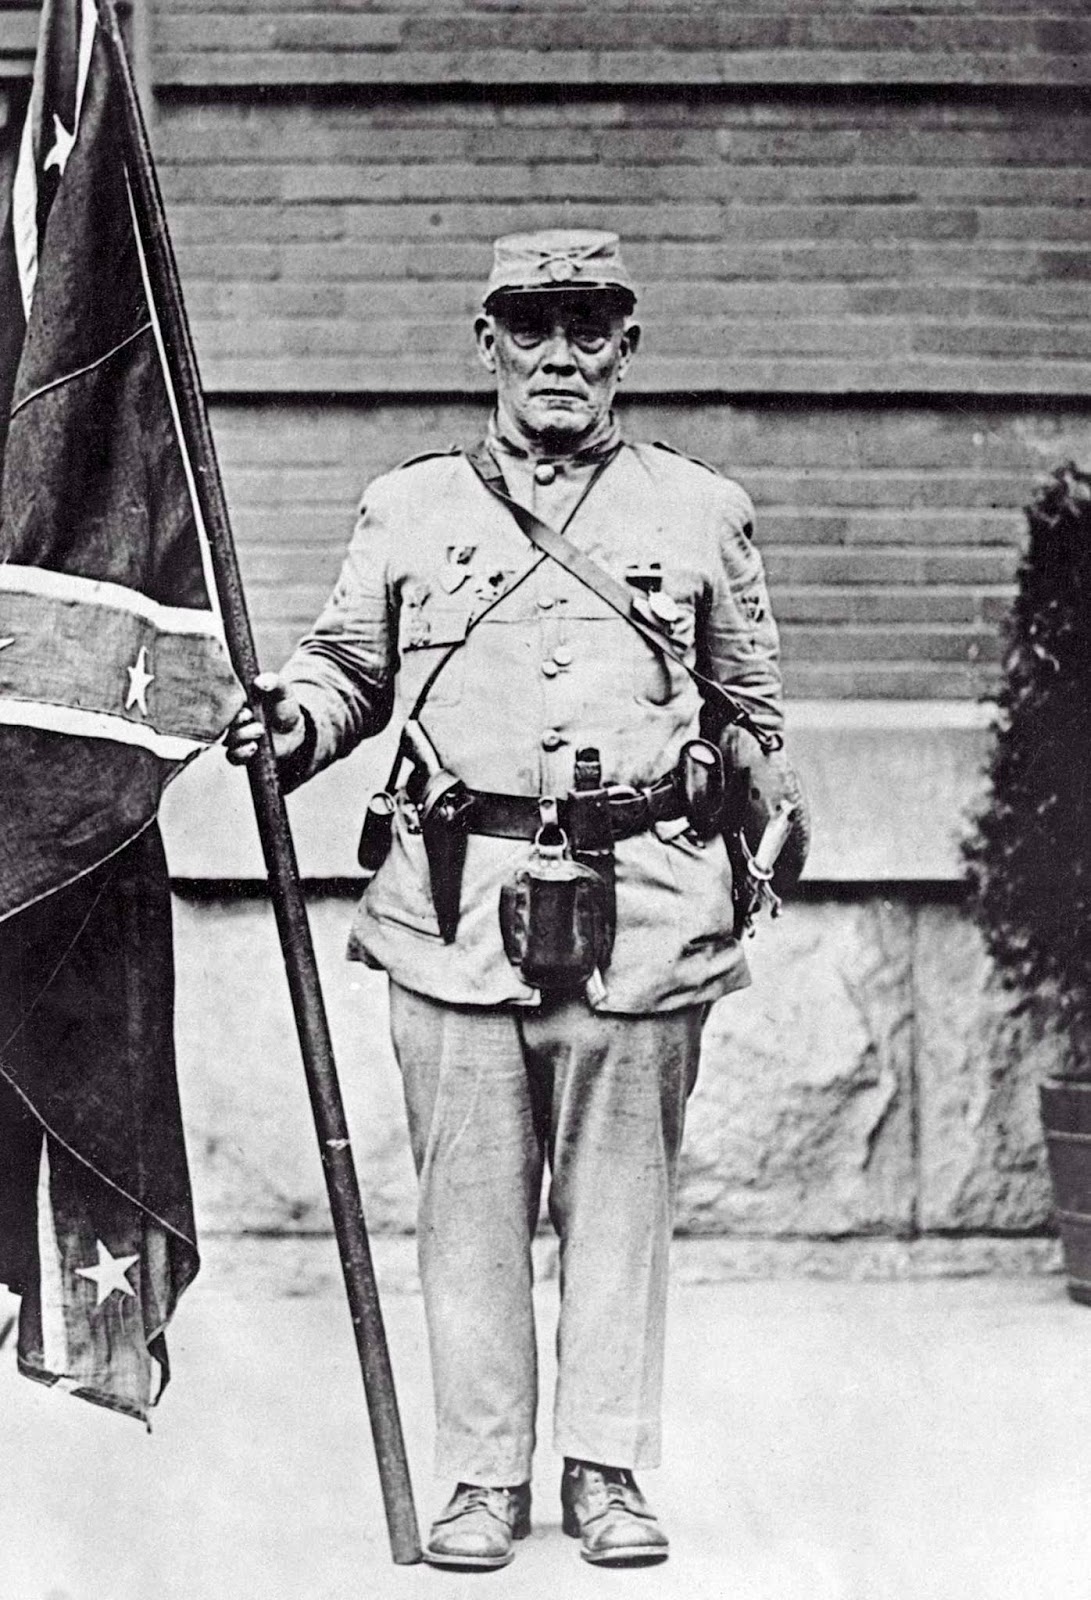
[{"x": 1029, "y": 860}]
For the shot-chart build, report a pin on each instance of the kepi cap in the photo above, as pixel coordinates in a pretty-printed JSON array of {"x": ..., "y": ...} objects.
[{"x": 558, "y": 258}]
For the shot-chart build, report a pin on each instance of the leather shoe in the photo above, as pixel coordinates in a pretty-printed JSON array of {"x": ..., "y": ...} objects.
[
  {"x": 477, "y": 1525},
  {"x": 603, "y": 1507}
]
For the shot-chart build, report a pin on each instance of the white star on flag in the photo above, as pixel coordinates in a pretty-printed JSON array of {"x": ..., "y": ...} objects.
[
  {"x": 139, "y": 679},
  {"x": 62, "y": 147},
  {"x": 109, "y": 1274}
]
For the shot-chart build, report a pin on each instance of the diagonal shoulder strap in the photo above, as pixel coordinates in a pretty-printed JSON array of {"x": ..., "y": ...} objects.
[
  {"x": 426, "y": 687},
  {"x": 618, "y": 596}
]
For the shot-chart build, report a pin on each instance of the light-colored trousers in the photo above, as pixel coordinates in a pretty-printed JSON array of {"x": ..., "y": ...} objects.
[{"x": 491, "y": 1094}]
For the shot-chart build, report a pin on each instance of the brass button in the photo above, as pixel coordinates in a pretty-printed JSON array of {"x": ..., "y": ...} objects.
[
  {"x": 545, "y": 472},
  {"x": 545, "y": 602},
  {"x": 562, "y": 656},
  {"x": 551, "y": 739},
  {"x": 550, "y": 669}
]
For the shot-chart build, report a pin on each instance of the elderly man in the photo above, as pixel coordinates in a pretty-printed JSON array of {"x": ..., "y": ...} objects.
[{"x": 554, "y": 612}]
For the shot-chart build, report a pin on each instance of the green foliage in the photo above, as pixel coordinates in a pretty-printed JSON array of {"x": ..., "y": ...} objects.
[{"x": 1029, "y": 862}]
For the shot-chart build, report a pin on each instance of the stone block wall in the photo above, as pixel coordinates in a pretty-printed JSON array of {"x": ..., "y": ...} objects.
[{"x": 870, "y": 1085}]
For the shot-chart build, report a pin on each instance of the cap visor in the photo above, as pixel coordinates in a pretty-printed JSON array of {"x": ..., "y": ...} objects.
[{"x": 575, "y": 291}]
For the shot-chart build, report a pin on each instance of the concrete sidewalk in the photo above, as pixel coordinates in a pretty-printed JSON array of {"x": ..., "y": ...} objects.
[{"x": 825, "y": 1441}]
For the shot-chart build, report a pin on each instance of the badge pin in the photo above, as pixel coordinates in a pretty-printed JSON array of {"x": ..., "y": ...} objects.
[
  {"x": 418, "y": 627},
  {"x": 487, "y": 585},
  {"x": 457, "y": 570}
]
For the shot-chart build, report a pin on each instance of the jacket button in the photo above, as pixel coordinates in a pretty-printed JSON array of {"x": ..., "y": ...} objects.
[
  {"x": 551, "y": 739},
  {"x": 545, "y": 472},
  {"x": 550, "y": 669},
  {"x": 545, "y": 602}
]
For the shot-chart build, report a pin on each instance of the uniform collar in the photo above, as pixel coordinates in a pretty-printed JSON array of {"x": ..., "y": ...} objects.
[{"x": 603, "y": 443}]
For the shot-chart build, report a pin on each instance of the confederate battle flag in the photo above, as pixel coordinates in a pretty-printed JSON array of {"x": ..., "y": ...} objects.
[{"x": 113, "y": 674}]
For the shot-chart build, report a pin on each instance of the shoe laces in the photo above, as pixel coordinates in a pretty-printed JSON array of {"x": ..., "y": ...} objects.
[
  {"x": 615, "y": 1481},
  {"x": 479, "y": 1497}
]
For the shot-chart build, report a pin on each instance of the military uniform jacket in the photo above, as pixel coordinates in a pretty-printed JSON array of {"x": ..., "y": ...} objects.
[{"x": 549, "y": 671}]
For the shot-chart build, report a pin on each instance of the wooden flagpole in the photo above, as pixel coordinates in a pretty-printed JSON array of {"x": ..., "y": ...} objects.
[{"x": 276, "y": 840}]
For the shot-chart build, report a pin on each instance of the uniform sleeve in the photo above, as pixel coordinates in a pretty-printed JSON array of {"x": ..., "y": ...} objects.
[
  {"x": 343, "y": 670},
  {"x": 741, "y": 639}
]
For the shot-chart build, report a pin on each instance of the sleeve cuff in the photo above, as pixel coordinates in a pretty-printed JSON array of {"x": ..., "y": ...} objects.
[{"x": 292, "y": 771}]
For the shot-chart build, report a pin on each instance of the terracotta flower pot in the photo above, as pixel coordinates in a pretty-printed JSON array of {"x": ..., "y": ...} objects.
[{"x": 1066, "y": 1118}]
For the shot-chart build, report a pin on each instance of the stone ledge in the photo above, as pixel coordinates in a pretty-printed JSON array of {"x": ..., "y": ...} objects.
[
  {"x": 870, "y": 1087},
  {"x": 891, "y": 783},
  {"x": 306, "y": 1265}
]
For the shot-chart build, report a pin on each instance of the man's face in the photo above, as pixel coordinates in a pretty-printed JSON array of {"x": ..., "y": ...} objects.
[{"x": 557, "y": 359}]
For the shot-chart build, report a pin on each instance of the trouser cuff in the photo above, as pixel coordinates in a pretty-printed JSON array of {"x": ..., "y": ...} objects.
[
  {"x": 494, "y": 1468},
  {"x": 609, "y": 1447}
]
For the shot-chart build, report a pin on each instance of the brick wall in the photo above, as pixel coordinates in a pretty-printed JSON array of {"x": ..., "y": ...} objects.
[
  {"x": 862, "y": 235},
  {"x": 805, "y": 244},
  {"x": 862, "y": 238},
  {"x": 635, "y": 42},
  {"x": 890, "y": 535}
]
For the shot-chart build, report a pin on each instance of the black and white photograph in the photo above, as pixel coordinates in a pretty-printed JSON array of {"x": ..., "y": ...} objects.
[{"x": 545, "y": 799}]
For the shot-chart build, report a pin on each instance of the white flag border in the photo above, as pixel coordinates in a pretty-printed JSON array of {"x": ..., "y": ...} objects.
[
  {"x": 82, "y": 724},
  {"x": 73, "y": 590}
]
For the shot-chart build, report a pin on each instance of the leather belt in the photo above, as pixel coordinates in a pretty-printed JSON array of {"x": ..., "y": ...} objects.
[{"x": 592, "y": 818}]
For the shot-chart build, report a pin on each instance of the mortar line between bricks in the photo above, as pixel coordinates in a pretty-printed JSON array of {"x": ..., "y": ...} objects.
[{"x": 1015, "y": 403}]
